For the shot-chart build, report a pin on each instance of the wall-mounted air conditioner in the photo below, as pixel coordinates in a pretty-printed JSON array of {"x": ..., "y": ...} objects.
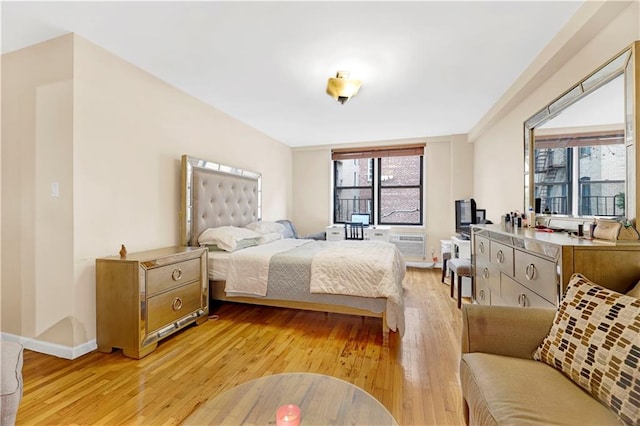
[{"x": 412, "y": 246}]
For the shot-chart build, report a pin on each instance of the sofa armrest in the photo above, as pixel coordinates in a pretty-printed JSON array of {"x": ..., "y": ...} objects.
[{"x": 504, "y": 330}]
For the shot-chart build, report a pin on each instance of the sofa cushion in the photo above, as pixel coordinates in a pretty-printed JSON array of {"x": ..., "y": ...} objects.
[
  {"x": 503, "y": 390},
  {"x": 595, "y": 341}
]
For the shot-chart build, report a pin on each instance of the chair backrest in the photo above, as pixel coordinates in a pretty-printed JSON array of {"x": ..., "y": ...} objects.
[{"x": 353, "y": 231}]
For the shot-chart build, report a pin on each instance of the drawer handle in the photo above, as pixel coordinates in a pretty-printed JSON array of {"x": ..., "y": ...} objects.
[
  {"x": 485, "y": 273},
  {"x": 522, "y": 300},
  {"x": 481, "y": 247},
  {"x": 530, "y": 271},
  {"x": 482, "y": 294},
  {"x": 176, "y": 274},
  {"x": 177, "y": 304},
  {"x": 500, "y": 256}
]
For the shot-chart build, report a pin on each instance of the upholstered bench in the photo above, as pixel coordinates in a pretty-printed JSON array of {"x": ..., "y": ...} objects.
[
  {"x": 461, "y": 268},
  {"x": 11, "y": 381}
]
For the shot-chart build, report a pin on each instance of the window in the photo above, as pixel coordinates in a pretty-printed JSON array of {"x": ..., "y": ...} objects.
[
  {"x": 353, "y": 190},
  {"x": 385, "y": 182},
  {"x": 581, "y": 174}
]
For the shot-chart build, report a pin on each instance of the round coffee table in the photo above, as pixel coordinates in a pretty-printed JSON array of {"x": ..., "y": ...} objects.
[{"x": 323, "y": 400}]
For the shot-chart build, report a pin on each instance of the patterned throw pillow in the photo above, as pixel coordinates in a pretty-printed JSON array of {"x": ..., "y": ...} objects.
[{"x": 595, "y": 341}]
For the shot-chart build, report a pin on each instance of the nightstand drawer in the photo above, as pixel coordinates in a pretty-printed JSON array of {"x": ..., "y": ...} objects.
[
  {"x": 169, "y": 276},
  {"x": 168, "y": 307}
]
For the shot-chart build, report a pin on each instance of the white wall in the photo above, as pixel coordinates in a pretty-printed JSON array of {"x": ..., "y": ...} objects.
[{"x": 112, "y": 136}]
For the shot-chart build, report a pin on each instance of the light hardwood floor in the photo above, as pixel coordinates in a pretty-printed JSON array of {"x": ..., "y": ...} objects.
[{"x": 416, "y": 377}]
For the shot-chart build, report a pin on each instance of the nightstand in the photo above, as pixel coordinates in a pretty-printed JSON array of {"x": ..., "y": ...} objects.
[{"x": 146, "y": 296}]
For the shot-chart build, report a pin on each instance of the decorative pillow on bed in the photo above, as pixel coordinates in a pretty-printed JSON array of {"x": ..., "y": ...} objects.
[
  {"x": 595, "y": 341},
  {"x": 264, "y": 227},
  {"x": 229, "y": 238}
]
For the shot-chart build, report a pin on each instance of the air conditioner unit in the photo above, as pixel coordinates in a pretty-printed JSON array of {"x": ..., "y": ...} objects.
[{"x": 412, "y": 246}]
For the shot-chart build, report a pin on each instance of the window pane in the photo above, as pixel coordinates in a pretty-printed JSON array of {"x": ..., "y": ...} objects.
[
  {"x": 602, "y": 173},
  {"x": 400, "y": 205},
  {"x": 352, "y": 200},
  {"x": 354, "y": 172},
  {"x": 551, "y": 180},
  {"x": 400, "y": 171}
]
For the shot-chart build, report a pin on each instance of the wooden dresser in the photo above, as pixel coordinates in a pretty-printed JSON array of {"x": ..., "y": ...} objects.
[
  {"x": 146, "y": 296},
  {"x": 525, "y": 267}
]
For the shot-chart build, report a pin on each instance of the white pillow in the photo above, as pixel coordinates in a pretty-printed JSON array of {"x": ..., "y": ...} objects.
[
  {"x": 229, "y": 238},
  {"x": 271, "y": 236},
  {"x": 266, "y": 227}
]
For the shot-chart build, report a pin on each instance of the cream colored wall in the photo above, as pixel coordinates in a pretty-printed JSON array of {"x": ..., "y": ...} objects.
[
  {"x": 448, "y": 174},
  {"x": 311, "y": 180},
  {"x": 498, "y": 148},
  {"x": 37, "y": 231},
  {"x": 112, "y": 135}
]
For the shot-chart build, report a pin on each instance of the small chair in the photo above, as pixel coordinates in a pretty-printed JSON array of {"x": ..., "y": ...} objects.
[
  {"x": 463, "y": 268},
  {"x": 354, "y": 231}
]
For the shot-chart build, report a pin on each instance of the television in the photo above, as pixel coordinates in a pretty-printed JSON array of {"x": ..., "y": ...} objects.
[
  {"x": 466, "y": 215},
  {"x": 363, "y": 218}
]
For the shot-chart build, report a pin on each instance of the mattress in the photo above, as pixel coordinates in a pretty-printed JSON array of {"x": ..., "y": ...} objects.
[
  {"x": 289, "y": 279},
  {"x": 218, "y": 265}
]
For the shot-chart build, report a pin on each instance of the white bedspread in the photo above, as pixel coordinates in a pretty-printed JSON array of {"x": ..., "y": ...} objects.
[
  {"x": 363, "y": 268},
  {"x": 249, "y": 268}
]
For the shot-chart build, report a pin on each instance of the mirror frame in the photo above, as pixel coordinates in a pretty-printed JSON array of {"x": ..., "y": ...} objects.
[{"x": 624, "y": 63}]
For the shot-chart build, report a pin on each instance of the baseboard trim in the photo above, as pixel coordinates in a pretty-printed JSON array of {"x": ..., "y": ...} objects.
[{"x": 53, "y": 349}]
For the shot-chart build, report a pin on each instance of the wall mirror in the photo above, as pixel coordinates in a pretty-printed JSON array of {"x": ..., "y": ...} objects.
[{"x": 579, "y": 150}]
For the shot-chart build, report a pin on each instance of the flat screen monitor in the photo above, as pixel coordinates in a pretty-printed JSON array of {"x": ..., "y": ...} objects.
[
  {"x": 466, "y": 215},
  {"x": 363, "y": 218}
]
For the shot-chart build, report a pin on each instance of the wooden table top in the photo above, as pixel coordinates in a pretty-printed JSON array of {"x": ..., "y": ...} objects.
[{"x": 323, "y": 400}]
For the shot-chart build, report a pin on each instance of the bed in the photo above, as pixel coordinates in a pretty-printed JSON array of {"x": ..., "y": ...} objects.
[{"x": 349, "y": 277}]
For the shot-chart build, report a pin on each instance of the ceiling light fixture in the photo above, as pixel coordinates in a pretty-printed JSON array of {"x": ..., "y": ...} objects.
[{"x": 341, "y": 88}]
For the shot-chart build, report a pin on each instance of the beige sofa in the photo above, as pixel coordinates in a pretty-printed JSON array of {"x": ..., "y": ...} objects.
[
  {"x": 502, "y": 384},
  {"x": 11, "y": 360}
]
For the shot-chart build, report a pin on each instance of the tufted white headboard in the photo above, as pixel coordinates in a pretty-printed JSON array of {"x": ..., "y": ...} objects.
[{"x": 214, "y": 195}]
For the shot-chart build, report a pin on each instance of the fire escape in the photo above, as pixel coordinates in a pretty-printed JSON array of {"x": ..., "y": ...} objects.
[{"x": 546, "y": 171}]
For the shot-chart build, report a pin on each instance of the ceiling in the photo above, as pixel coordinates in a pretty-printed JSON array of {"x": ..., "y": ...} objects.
[{"x": 429, "y": 68}]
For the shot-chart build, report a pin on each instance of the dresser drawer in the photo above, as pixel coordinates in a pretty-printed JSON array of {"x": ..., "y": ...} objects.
[
  {"x": 483, "y": 293},
  {"x": 169, "y": 276},
  {"x": 501, "y": 256},
  {"x": 537, "y": 274},
  {"x": 488, "y": 275},
  {"x": 172, "y": 305},
  {"x": 481, "y": 246},
  {"x": 335, "y": 234},
  {"x": 376, "y": 234},
  {"x": 514, "y": 294}
]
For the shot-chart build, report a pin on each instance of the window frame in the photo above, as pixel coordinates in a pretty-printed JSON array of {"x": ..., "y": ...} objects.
[
  {"x": 420, "y": 187},
  {"x": 337, "y": 187},
  {"x": 377, "y": 153}
]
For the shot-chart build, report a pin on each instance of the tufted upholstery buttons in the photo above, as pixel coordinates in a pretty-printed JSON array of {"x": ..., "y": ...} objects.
[{"x": 222, "y": 199}]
